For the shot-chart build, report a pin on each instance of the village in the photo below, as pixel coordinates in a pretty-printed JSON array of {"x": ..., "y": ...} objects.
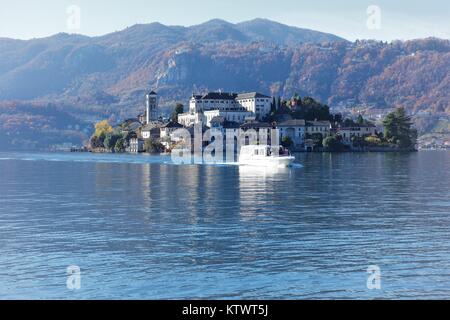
[{"x": 302, "y": 125}]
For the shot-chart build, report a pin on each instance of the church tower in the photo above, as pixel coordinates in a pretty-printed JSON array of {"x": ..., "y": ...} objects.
[{"x": 152, "y": 106}]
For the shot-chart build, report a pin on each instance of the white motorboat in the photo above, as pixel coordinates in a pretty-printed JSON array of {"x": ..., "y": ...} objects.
[{"x": 265, "y": 156}]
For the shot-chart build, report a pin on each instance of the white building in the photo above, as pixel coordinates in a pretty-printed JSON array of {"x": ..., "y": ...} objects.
[
  {"x": 238, "y": 115},
  {"x": 230, "y": 106},
  {"x": 136, "y": 145},
  {"x": 255, "y": 102}
]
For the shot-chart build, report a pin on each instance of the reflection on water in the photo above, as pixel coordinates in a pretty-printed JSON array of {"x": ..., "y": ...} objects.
[{"x": 140, "y": 227}]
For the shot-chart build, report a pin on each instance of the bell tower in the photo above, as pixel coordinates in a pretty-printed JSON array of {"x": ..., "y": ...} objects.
[{"x": 151, "y": 100}]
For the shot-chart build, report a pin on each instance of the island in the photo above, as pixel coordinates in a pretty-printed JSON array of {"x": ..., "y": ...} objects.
[{"x": 301, "y": 125}]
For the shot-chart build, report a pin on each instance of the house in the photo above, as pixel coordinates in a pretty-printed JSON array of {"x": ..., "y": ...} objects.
[
  {"x": 315, "y": 132},
  {"x": 151, "y": 130},
  {"x": 295, "y": 129},
  {"x": 362, "y": 130},
  {"x": 136, "y": 145},
  {"x": 314, "y": 127},
  {"x": 167, "y": 129},
  {"x": 263, "y": 130}
]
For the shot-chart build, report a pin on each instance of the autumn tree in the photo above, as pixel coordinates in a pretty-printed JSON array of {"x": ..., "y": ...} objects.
[{"x": 102, "y": 128}]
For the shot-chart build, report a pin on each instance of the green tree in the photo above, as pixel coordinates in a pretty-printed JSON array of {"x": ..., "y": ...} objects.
[
  {"x": 111, "y": 140},
  {"x": 358, "y": 142},
  {"x": 96, "y": 142},
  {"x": 317, "y": 138},
  {"x": 333, "y": 144},
  {"x": 273, "y": 105},
  {"x": 179, "y": 109},
  {"x": 337, "y": 118},
  {"x": 120, "y": 145},
  {"x": 153, "y": 147},
  {"x": 360, "y": 120},
  {"x": 287, "y": 142},
  {"x": 398, "y": 129}
]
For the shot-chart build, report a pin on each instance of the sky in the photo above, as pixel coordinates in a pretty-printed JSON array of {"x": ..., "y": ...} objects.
[{"x": 351, "y": 19}]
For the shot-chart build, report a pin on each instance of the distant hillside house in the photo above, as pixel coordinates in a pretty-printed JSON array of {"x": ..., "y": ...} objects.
[{"x": 231, "y": 106}]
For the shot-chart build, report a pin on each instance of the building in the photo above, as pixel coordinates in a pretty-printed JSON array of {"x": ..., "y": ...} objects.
[
  {"x": 136, "y": 145},
  {"x": 231, "y": 106},
  {"x": 169, "y": 128},
  {"x": 263, "y": 130},
  {"x": 223, "y": 125},
  {"x": 363, "y": 130},
  {"x": 151, "y": 130},
  {"x": 294, "y": 129},
  {"x": 315, "y": 132},
  {"x": 237, "y": 114},
  {"x": 314, "y": 127},
  {"x": 151, "y": 100},
  {"x": 259, "y": 104}
]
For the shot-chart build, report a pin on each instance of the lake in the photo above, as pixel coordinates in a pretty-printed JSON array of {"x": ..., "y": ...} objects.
[{"x": 140, "y": 227}]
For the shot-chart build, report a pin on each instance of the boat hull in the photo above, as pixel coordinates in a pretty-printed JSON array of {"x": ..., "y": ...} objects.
[{"x": 279, "y": 162}]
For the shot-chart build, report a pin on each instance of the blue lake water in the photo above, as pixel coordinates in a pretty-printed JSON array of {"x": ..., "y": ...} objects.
[{"x": 140, "y": 227}]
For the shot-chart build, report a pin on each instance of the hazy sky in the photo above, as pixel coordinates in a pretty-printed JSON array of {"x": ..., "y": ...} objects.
[{"x": 399, "y": 19}]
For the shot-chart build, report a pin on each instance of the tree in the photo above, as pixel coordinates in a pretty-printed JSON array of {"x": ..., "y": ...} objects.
[
  {"x": 153, "y": 147},
  {"x": 317, "y": 139},
  {"x": 287, "y": 142},
  {"x": 337, "y": 118},
  {"x": 373, "y": 140},
  {"x": 360, "y": 120},
  {"x": 333, "y": 144},
  {"x": 273, "y": 105},
  {"x": 110, "y": 141},
  {"x": 179, "y": 109},
  {"x": 102, "y": 128},
  {"x": 398, "y": 129},
  {"x": 120, "y": 145},
  {"x": 348, "y": 123},
  {"x": 358, "y": 142},
  {"x": 96, "y": 142}
]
